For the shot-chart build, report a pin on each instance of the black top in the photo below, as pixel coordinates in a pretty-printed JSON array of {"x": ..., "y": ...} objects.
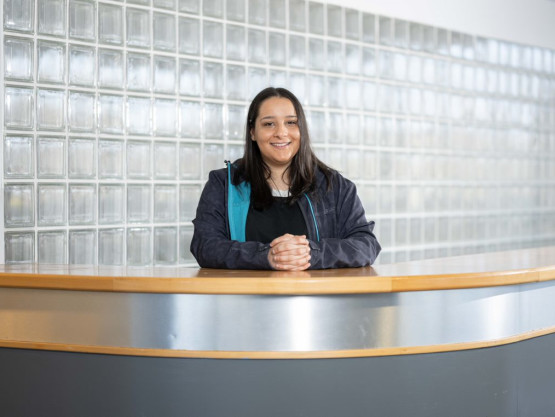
[{"x": 280, "y": 218}]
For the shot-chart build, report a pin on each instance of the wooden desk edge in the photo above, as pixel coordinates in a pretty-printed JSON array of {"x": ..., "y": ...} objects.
[
  {"x": 276, "y": 286},
  {"x": 332, "y": 354}
]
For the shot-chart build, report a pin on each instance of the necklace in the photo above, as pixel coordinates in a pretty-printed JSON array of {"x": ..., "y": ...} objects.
[{"x": 276, "y": 192}]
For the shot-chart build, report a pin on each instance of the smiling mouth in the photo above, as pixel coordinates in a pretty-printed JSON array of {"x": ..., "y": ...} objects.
[{"x": 281, "y": 144}]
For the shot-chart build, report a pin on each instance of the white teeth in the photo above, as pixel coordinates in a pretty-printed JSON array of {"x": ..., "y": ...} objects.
[{"x": 280, "y": 145}]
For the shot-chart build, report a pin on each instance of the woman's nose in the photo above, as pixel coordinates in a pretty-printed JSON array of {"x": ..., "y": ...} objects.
[{"x": 282, "y": 130}]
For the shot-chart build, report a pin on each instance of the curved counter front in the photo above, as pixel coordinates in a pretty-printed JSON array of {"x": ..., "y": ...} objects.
[{"x": 470, "y": 335}]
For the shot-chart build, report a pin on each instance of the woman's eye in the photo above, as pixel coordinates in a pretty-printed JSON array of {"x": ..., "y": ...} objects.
[
  {"x": 292, "y": 122},
  {"x": 268, "y": 124}
]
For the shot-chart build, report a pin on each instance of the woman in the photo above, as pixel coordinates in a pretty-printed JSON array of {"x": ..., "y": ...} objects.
[{"x": 279, "y": 207}]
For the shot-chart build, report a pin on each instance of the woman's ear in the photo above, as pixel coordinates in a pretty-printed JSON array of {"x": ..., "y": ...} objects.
[{"x": 252, "y": 134}]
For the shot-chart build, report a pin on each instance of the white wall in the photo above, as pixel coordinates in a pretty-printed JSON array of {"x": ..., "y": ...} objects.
[{"x": 529, "y": 22}]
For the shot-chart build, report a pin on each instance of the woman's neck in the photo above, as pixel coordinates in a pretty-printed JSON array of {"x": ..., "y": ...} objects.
[{"x": 279, "y": 180}]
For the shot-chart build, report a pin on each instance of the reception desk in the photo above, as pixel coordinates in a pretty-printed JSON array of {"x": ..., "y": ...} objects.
[{"x": 463, "y": 336}]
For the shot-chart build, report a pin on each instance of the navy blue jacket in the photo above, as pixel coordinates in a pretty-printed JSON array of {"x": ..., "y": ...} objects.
[{"x": 338, "y": 232}]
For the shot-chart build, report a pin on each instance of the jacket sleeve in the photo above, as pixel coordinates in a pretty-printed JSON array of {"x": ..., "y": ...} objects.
[
  {"x": 211, "y": 244},
  {"x": 353, "y": 243}
]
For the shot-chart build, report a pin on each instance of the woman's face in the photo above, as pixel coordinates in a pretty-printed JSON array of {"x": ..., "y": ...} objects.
[{"x": 276, "y": 131}]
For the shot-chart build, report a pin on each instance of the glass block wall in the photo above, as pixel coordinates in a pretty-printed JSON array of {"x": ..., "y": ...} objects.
[{"x": 114, "y": 112}]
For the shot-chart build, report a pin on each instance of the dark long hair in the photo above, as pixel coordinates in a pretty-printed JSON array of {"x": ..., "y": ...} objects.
[{"x": 303, "y": 167}]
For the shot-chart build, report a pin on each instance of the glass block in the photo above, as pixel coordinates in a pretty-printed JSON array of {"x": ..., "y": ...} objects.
[
  {"x": 50, "y": 109},
  {"x": 19, "y": 247},
  {"x": 19, "y": 205},
  {"x": 81, "y": 65},
  {"x": 235, "y": 43},
  {"x": 385, "y": 30},
  {"x": 189, "y": 6},
  {"x": 317, "y": 90},
  {"x": 165, "y": 203},
  {"x": 353, "y": 129},
  {"x": 257, "y": 46},
  {"x": 298, "y": 84},
  {"x": 82, "y": 19},
  {"x": 164, "y": 74},
  {"x": 138, "y": 203},
  {"x": 335, "y": 57},
  {"x": 352, "y": 18},
  {"x": 138, "y": 160},
  {"x": 189, "y": 36},
  {"x": 278, "y": 78},
  {"x": 185, "y": 237},
  {"x": 141, "y": 2},
  {"x": 353, "y": 163},
  {"x": 52, "y": 17},
  {"x": 213, "y": 121},
  {"x": 369, "y": 93},
  {"x": 317, "y": 126},
  {"x": 212, "y": 39},
  {"x": 415, "y": 36},
  {"x": 138, "y": 72},
  {"x": 277, "y": 15},
  {"x": 165, "y": 160},
  {"x": 110, "y": 68},
  {"x": 335, "y": 92},
  {"x": 316, "y": 18},
  {"x": 165, "y": 117},
  {"x": 51, "y": 204},
  {"x": 234, "y": 152},
  {"x": 352, "y": 92},
  {"x": 189, "y": 161},
  {"x": 189, "y": 77},
  {"x": 82, "y": 203},
  {"x": 236, "y": 116},
  {"x": 370, "y": 163},
  {"x": 51, "y": 62},
  {"x": 456, "y": 44},
  {"x": 138, "y": 115},
  {"x": 190, "y": 119},
  {"x": 213, "y": 158},
  {"x": 368, "y": 28},
  {"x": 369, "y": 130},
  {"x": 399, "y": 66},
  {"x": 81, "y": 112},
  {"x": 138, "y": 246},
  {"x": 368, "y": 62},
  {"x": 110, "y": 114},
  {"x": 164, "y": 32},
  {"x": 236, "y": 81},
  {"x": 335, "y": 21},
  {"x": 414, "y": 69},
  {"x": 110, "y": 246},
  {"x": 428, "y": 71},
  {"x": 18, "y": 58},
  {"x": 428, "y": 38},
  {"x": 401, "y": 31},
  {"x": 110, "y": 159},
  {"x": 164, "y": 4},
  {"x": 442, "y": 42},
  {"x": 235, "y": 10},
  {"x": 213, "y": 8},
  {"x": 138, "y": 27},
  {"x": 110, "y": 24},
  {"x": 277, "y": 48},
  {"x": 213, "y": 79},
  {"x": 335, "y": 127},
  {"x": 316, "y": 58},
  {"x": 297, "y": 51},
  {"x": 165, "y": 245},
  {"x": 18, "y": 157},
  {"x": 82, "y": 247},
  {"x": 110, "y": 203},
  {"x": 18, "y": 15},
  {"x": 81, "y": 156},
  {"x": 297, "y": 19},
  {"x": 258, "y": 81},
  {"x": 51, "y": 157},
  {"x": 258, "y": 9},
  {"x": 352, "y": 59}
]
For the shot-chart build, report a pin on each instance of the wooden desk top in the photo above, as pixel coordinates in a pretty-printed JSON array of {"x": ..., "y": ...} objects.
[{"x": 469, "y": 271}]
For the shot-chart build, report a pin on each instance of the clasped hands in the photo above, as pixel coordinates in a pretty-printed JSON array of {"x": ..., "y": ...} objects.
[{"x": 289, "y": 253}]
